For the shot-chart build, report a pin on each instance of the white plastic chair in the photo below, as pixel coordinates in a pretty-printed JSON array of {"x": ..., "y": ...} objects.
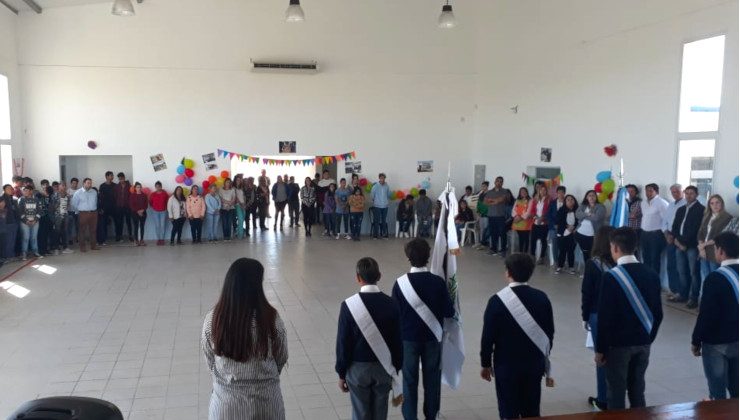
[
  {"x": 472, "y": 229},
  {"x": 412, "y": 229}
]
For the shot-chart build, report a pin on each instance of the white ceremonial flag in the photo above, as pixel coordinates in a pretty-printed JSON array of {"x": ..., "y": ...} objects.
[{"x": 444, "y": 264}]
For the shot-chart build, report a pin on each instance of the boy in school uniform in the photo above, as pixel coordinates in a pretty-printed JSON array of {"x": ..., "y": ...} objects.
[
  {"x": 369, "y": 352},
  {"x": 715, "y": 335},
  {"x": 518, "y": 331},
  {"x": 630, "y": 314},
  {"x": 424, "y": 302}
]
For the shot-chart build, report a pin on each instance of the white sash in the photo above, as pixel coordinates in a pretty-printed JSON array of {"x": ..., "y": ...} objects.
[
  {"x": 530, "y": 327},
  {"x": 374, "y": 338},
  {"x": 419, "y": 306}
]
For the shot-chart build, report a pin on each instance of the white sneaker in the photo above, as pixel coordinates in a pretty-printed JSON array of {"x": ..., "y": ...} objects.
[{"x": 67, "y": 251}]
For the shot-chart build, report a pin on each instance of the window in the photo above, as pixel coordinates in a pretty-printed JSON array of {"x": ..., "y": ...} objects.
[
  {"x": 699, "y": 110},
  {"x": 696, "y": 164},
  {"x": 6, "y": 164},
  {"x": 4, "y": 109}
]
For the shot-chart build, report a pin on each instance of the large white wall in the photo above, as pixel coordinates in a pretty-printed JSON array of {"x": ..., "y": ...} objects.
[
  {"x": 175, "y": 79},
  {"x": 586, "y": 74},
  {"x": 9, "y": 68}
]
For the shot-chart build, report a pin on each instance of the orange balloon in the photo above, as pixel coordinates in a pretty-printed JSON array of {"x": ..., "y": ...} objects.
[
  {"x": 211, "y": 179},
  {"x": 400, "y": 195},
  {"x": 224, "y": 174}
]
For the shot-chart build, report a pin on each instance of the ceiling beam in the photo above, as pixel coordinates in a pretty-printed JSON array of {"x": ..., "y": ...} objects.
[
  {"x": 33, "y": 5},
  {"x": 11, "y": 8}
]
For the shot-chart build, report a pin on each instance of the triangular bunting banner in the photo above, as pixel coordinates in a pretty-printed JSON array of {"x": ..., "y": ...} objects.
[{"x": 286, "y": 162}]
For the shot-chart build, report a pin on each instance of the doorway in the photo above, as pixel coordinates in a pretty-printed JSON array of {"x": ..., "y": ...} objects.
[
  {"x": 300, "y": 172},
  {"x": 94, "y": 167}
]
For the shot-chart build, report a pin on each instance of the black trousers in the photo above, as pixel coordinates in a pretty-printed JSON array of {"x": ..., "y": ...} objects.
[
  {"x": 308, "y": 216},
  {"x": 139, "y": 222},
  {"x": 652, "y": 244},
  {"x": 586, "y": 243},
  {"x": 280, "y": 211},
  {"x": 625, "y": 372},
  {"x": 177, "y": 225},
  {"x": 46, "y": 228},
  {"x": 262, "y": 212},
  {"x": 523, "y": 236},
  {"x": 103, "y": 222},
  {"x": 518, "y": 392},
  {"x": 566, "y": 249},
  {"x": 294, "y": 209},
  {"x": 196, "y": 229},
  {"x": 539, "y": 232},
  {"x": 122, "y": 215}
]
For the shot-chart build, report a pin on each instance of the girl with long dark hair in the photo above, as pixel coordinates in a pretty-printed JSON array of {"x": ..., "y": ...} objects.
[
  {"x": 308, "y": 203},
  {"x": 177, "y": 212},
  {"x": 138, "y": 203},
  {"x": 600, "y": 262},
  {"x": 591, "y": 215},
  {"x": 245, "y": 346}
]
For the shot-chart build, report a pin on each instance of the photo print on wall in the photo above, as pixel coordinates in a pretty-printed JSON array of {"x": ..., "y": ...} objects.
[
  {"x": 545, "y": 154},
  {"x": 287, "y": 147},
  {"x": 354, "y": 167},
  {"x": 158, "y": 162},
  {"x": 209, "y": 160},
  {"x": 425, "y": 166}
]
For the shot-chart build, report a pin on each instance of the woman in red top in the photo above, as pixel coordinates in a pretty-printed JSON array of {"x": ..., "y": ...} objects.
[
  {"x": 158, "y": 201},
  {"x": 137, "y": 202},
  {"x": 538, "y": 208}
]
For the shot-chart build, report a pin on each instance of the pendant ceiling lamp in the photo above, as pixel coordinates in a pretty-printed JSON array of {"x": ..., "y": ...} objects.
[
  {"x": 447, "y": 18},
  {"x": 294, "y": 13},
  {"x": 123, "y": 8}
]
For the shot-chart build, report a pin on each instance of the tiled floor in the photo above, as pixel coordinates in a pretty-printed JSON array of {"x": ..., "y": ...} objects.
[{"x": 124, "y": 324}]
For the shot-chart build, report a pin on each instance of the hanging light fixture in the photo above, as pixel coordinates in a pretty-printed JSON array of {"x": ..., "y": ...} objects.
[
  {"x": 294, "y": 13},
  {"x": 447, "y": 18},
  {"x": 123, "y": 8}
]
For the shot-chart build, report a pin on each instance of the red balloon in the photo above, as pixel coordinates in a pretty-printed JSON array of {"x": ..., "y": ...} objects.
[
  {"x": 146, "y": 191},
  {"x": 189, "y": 173},
  {"x": 205, "y": 184},
  {"x": 400, "y": 195},
  {"x": 211, "y": 179},
  {"x": 611, "y": 195},
  {"x": 363, "y": 182},
  {"x": 597, "y": 187},
  {"x": 224, "y": 174}
]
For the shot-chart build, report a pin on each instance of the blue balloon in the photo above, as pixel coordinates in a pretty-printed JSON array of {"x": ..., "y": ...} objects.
[
  {"x": 736, "y": 181},
  {"x": 603, "y": 176},
  {"x": 425, "y": 184},
  {"x": 181, "y": 169}
]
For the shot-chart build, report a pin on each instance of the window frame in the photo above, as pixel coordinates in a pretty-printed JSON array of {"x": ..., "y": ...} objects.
[{"x": 699, "y": 135}]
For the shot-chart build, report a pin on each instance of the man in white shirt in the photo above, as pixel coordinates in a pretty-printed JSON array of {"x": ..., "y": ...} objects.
[
  {"x": 74, "y": 218},
  {"x": 670, "y": 214},
  {"x": 652, "y": 240}
]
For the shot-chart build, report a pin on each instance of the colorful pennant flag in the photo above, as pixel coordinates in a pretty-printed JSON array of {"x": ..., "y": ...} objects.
[{"x": 283, "y": 162}]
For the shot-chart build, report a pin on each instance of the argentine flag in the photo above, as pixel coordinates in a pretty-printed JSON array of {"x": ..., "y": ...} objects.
[
  {"x": 620, "y": 209},
  {"x": 444, "y": 264}
]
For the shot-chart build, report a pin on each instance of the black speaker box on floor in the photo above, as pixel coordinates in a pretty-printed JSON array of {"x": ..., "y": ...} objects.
[{"x": 67, "y": 408}]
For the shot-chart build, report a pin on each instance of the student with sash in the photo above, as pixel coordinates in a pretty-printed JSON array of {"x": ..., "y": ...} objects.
[
  {"x": 518, "y": 331},
  {"x": 629, "y": 315},
  {"x": 369, "y": 352},
  {"x": 424, "y": 302},
  {"x": 715, "y": 335}
]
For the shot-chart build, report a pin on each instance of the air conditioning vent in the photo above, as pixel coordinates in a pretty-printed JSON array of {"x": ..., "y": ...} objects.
[{"x": 283, "y": 66}]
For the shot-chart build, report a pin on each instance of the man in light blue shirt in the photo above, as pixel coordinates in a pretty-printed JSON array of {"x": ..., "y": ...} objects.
[
  {"x": 85, "y": 203},
  {"x": 670, "y": 250},
  {"x": 379, "y": 194}
]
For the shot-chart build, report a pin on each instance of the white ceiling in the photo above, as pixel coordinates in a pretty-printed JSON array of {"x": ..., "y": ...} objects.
[{"x": 22, "y": 6}]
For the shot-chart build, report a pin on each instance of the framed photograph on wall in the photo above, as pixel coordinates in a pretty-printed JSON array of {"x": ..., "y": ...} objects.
[
  {"x": 158, "y": 162},
  {"x": 209, "y": 160},
  {"x": 287, "y": 147},
  {"x": 425, "y": 166},
  {"x": 545, "y": 154},
  {"x": 354, "y": 167}
]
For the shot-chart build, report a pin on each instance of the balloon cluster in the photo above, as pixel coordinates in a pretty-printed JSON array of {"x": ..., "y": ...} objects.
[
  {"x": 604, "y": 186},
  {"x": 212, "y": 180},
  {"x": 145, "y": 190},
  {"x": 397, "y": 194},
  {"x": 185, "y": 172}
]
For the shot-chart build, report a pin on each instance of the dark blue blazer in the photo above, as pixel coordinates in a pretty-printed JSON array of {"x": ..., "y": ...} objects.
[
  {"x": 433, "y": 292},
  {"x": 351, "y": 344},
  {"x": 718, "y": 314},
  {"x": 503, "y": 338},
  {"x": 619, "y": 326}
]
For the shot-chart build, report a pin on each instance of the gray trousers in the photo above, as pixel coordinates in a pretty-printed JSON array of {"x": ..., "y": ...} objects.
[
  {"x": 369, "y": 385},
  {"x": 625, "y": 371}
]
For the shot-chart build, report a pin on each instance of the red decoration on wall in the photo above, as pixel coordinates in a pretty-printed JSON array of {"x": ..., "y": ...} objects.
[{"x": 611, "y": 150}]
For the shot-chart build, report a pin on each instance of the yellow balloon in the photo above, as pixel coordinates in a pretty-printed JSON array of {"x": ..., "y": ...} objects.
[
  {"x": 188, "y": 163},
  {"x": 602, "y": 197}
]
